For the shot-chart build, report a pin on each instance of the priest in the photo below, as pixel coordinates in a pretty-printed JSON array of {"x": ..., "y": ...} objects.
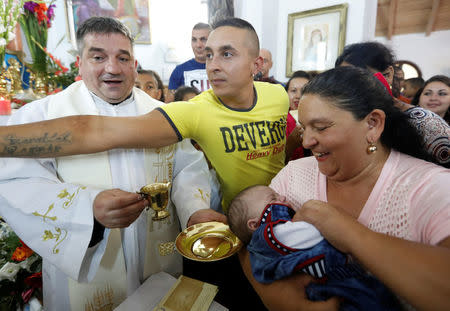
[{"x": 82, "y": 213}]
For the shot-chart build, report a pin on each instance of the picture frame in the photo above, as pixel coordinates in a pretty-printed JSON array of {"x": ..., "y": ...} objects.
[
  {"x": 135, "y": 14},
  {"x": 315, "y": 38}
]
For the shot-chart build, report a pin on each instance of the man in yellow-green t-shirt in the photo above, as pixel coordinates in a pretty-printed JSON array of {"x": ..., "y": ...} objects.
[{"x": 245, "y": 146}]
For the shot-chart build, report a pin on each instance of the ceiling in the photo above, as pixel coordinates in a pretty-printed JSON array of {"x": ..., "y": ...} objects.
[{"x": 395, "y": 17}]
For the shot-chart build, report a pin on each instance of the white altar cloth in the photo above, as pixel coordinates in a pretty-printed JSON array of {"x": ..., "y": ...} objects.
[
  {"x": 148, "y": 295},
  {"x": 4, "y": 119}
]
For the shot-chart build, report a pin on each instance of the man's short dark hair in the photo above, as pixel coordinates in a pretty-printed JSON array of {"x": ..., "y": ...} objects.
[
  {"x": 241, "y": 24},
  {"x": 101, "y": 25},
  {"x": 201, "y": 26}
]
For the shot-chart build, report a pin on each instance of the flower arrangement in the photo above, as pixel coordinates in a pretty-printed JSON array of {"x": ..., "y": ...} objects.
[
  {"x": 35, "y": 21},
  {"x": 58, "y": 74},
  {"x": 10, "y": 11},
  {"x": 20, "y": 271},
  {"x": 62, "y": 79}
]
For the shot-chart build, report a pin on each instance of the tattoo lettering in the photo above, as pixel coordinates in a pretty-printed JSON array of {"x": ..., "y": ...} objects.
[{"x": 47, "y": 144}]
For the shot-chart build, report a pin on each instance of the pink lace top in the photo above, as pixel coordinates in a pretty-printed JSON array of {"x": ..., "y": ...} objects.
[{"x": 410, "y": 199}]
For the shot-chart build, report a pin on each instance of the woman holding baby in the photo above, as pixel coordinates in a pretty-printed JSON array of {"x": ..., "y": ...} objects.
[{"x": 369, "y": 190}]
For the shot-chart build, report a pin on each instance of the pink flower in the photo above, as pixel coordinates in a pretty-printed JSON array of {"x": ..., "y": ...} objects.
[{"x": 51, "y": 12}]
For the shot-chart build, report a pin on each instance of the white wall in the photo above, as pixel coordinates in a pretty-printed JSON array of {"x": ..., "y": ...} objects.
[
  {"x": 171, "y": 29},
  {"x": 431, "y": 54},
  {"x": 270, "y": 19}
]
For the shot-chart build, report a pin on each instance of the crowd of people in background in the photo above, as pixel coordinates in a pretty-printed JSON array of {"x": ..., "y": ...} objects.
[{"x": 373, "y": 56}]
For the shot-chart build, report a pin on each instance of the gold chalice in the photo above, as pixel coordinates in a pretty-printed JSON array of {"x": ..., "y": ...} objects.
[{"x": 158, "y": 193}]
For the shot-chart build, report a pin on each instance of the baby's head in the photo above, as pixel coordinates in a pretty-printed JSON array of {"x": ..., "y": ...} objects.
[
  {"x": 246, "y": 208},
  {"x": 411, "y": 87}
]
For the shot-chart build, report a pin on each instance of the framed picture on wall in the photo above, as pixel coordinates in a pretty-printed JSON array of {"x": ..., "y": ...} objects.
[
  {"x": 135, "y": 14},
  {"x": 315, "y": 38}
]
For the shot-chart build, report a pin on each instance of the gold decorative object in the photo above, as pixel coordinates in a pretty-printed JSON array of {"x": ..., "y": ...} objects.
[
  {"x": 3, "y": 83},
  {"x": 158, "y": 194},
  {"x": 371, "y": 148},
  {"x": 51, "y": 85},
  {"x": 5, "y": 103},
  {"x": 39, "y": 84},
  {"x": 14, "y": 75},
  {"x": 208, "y": 241}
]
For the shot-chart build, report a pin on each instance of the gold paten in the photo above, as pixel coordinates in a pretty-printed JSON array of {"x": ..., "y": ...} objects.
[
  {"x": 158, "y": 195},
  {"x": 208, "y": 241}
]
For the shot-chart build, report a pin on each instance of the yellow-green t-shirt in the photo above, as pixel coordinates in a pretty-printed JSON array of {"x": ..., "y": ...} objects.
[{"x": 246, "y": 147}]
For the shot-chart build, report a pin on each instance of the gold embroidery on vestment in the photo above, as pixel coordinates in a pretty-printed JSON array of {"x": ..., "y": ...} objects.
[
  {"x": 203, "y": 196},
  {"x": 60, "y": 234},
  {"x": 164, "y": 163},
  {"x": 70, "y": 197},
  {"x": 48, "y": 235},
  {"x": 166, "y": 248},
  {"x": 102, "y": 300},
  {"x": 44, "y": 216}
]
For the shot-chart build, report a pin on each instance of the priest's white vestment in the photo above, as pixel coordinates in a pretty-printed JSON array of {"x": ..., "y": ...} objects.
[{"x": 48, "y": 202}]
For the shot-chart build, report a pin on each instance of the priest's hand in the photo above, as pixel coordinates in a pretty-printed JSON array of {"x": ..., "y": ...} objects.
[
  {"x": 116, "y": 208},
  {"x": 205, "y": 215}
]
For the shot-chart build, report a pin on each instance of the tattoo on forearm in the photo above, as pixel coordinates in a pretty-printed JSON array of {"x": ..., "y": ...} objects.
[{"x": 47, "y": 144}]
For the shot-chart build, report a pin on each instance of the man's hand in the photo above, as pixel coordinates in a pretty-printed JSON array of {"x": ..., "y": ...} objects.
[
  {"x": 118, "y": 209},
  {"x": 205, "y": 215}
]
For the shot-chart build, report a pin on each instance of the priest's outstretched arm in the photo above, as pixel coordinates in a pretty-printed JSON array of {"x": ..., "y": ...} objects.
[{"x": 85, "y": 134}]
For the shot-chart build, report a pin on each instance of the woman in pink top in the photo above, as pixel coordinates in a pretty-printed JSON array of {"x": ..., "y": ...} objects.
[{"x": 367, "y": 191}]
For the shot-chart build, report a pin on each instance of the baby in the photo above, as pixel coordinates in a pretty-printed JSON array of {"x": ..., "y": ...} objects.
[
  {"x": 280, "y": 245},
  {"x": 411, "y": 87}
]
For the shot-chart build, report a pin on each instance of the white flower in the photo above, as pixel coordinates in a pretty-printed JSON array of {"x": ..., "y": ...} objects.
[
  {"x": 2, "y": 28},
  {"x": 9, "y": 271},
  {"x": 2, "y": 42},
  {"x": 11, "y": 36},
  {"x": 5, "y": 230}
]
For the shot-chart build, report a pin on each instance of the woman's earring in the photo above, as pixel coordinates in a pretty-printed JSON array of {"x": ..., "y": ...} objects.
[{"x": 371, "y": 148}]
